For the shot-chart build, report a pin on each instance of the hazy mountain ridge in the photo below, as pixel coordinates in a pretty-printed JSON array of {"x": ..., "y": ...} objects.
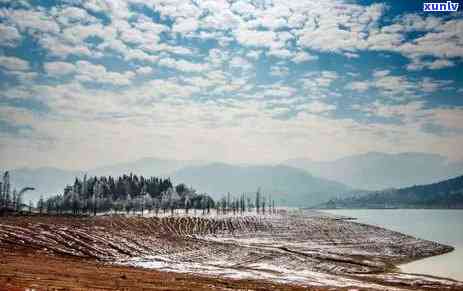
[
  {"x": 367, "y": 170},
  {"x": 46, "y": 180},
  {"x": 443, "y": 194},
  {"x": 376, "y": 171},
  {"x": 51, "y": 181},
  {"x": 144, "y": 166},
  {"x": 287, "y": 185}
]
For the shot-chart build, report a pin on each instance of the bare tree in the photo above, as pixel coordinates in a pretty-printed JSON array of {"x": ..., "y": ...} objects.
[
  {"x": 40, "y": 204},
  {"x": 258, "y": 198}
]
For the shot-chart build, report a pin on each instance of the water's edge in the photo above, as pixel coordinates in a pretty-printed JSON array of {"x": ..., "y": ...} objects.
[{"x": 437, "y": 225}]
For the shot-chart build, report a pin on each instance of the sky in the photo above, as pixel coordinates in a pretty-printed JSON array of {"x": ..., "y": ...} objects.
[{"x": 90, "y": 83}]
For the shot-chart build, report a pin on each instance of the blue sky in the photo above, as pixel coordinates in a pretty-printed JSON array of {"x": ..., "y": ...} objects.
[{"x": 87, "y": 83}]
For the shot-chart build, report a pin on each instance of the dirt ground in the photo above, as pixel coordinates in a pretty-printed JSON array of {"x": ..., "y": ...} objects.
[
  {"x": 22, "y": 269},
  {"x": 78, "y": 253}
]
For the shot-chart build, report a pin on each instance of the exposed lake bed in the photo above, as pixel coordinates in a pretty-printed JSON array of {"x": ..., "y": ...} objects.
[
  {"x": 443, "y": 226},
  {"x": 296, "y": 247}
]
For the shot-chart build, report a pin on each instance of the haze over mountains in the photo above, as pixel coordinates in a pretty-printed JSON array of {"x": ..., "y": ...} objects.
[
  {"x": 48, "y": 180},
  {"x": 287, "y": 185},
  {"x": 444, "y": 194},
  {"x": 300, "y": 182},
  {"x": 376, "y": 171},
  {"x": 145, "y": 166}
]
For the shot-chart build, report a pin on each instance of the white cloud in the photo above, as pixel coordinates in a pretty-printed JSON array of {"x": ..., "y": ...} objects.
[
  {"x": 13, "y": 64},
  {"x": 71, "y": 15},
  {"x": 243, "y": 7},
  {"x": 144, "y": 70},
  {"x": 89, "y": 72},
  {"x": 418, "y": 64},
  {"x": 279, "y": 71},
  {"x": 183, "y": 65},
  {"x": 381, "y": 73},
  {"x": 321, "y": 80},
  {"x": 394, "y": 84},
  {"x": 351, "y": 55},
  {"x": 185, "y": 26},
  {"x": 145, "y": 24},
  {"x": 255, "y": 38},
  {"x": 152, "y": 120},
  {"x": 241, "y": 63},
  {"x": 397, "y": 85},
  {"x": 116, "y": 9},
  {"x": 317, "y": 107},
  {"x": 9, "y": 35},
  {"x": 416, "y": 115},
  {"x": 444, "y": 41},
  {"x": 408, "y": 111},
  {"x": 350, "y": 28},
  {"x": 280, "y": 53},
  {"x": 32, "y": 21},
  {"x": 359, "y": 86},
  {"x": 229, "y": 100},
  {"x": 57, "y": 47},
  {"x": 429, "y": 85},
  {"x": 254, "y": 54},
  {"x": 300, "y": 57},
  {"x": 449, "y": 118},
  {"x": 277, "y": 90},
  {"x": 59, "y": 68}
]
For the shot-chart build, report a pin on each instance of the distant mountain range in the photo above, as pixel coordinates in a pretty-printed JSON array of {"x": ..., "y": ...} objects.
[
  {"x": 376, "y": 171},
  {"x": 287, "y": 185},
  {"x": 294, "y": 182},
  {"x": 444, "y": 194},
  {"x": 51, "y": 181},
  {"x": 47, "y": 181},
  {"x": 145, "y": 166}
]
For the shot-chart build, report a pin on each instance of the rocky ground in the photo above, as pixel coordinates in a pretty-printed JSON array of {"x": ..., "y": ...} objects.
[{"x": 287, "y": 251}]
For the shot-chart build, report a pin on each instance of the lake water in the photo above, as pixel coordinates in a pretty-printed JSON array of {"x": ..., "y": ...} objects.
[{"x": 444, "y": 226}]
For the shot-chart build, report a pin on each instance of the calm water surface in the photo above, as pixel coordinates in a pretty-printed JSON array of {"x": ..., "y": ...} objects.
[{"x": 444, "y": 226}]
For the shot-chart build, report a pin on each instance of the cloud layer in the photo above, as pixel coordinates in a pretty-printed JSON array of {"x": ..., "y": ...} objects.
[{"x": 87, "y": 83}]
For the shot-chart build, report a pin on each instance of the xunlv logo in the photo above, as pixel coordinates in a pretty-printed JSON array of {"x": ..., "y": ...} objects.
[{"x": 447, "y": 6}]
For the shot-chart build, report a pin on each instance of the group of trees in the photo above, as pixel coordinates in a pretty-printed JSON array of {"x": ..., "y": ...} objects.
[
  {"x": 11, "y": 200},
  {"x": 238, "y": 205},
  {"x": 124, "y": 194},
  {"x": 131, "y": 193}
]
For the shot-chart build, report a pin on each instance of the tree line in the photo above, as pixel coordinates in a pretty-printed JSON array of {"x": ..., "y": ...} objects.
[
  {"x": 127, "y": 193},
  {"x": 131, "y": 193},
  {"x": 261, "y": 204}
]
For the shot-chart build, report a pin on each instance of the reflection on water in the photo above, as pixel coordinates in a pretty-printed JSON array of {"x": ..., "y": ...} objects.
[{"x": 444, "y": 226}]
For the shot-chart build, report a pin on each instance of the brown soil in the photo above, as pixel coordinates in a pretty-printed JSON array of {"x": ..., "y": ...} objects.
[
  {"x": 20, "y": 269},
  {"x": 76, "y": 253}
]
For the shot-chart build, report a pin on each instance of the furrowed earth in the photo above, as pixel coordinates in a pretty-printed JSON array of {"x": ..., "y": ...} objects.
[{"x": 295, "y": 250}]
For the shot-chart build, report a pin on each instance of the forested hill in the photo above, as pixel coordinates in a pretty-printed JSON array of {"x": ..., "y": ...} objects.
[{"x": 444, "y": 194}]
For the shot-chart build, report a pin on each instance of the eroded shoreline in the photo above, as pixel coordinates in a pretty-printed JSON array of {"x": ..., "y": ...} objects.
[{"x": 289, "y": 248}]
